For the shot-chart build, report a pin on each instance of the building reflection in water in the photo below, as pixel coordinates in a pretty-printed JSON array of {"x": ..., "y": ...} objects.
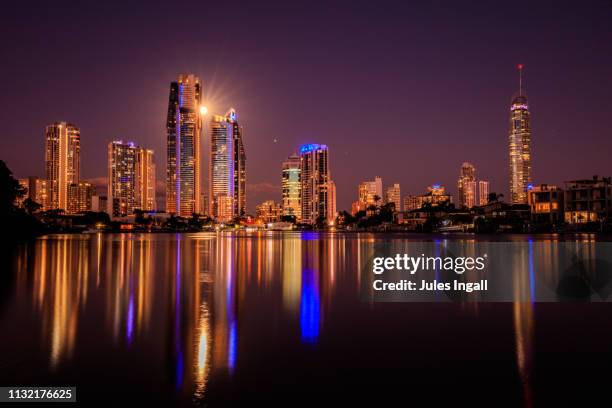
[
  {"x": 181, "y": 298},
  {"x": 59, "y": 290},
  {"x": 523, "y": 316},
  {"x": 310, "y": 311},
  {"x": 292, "y": 273}
]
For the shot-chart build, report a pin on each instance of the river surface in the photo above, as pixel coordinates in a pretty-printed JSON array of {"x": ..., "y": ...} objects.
[{"x": 214, "y": 319}]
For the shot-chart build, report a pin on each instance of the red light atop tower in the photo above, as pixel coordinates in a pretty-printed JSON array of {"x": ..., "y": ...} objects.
[{"x": 520, "y": 66}]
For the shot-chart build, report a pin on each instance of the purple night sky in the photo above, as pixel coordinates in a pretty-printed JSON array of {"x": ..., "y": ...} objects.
[{"x": 404, "y": 91}]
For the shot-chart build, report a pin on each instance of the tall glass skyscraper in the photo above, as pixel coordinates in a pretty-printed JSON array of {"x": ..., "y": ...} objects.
[
  {"x": 292, "y": 187},
  {"x": 227, "y": 168},
  {"x": 62, "y": 162},
  {"x": 314, "y": 169},
  {"x": 184, "y": 129},
  {"x": 519, "y": 146}
]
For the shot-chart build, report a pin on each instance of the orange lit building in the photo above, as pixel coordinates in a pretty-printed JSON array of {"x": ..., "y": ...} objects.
[
  {"x": 269, "y": 211},
  {"x": 62, "y": 162},
  {"x": 545, "y": 203}
]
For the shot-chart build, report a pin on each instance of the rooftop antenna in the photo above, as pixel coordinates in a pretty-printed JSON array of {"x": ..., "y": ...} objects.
[{"x": 520, "y": 68}]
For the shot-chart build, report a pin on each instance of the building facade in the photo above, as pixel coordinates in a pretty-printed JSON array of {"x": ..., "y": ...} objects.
[
  {"x": 331, "y": 201},
  {"x": 369, "y": 193},
  {"x": 546, "y": 204},
  {"x": 99, "y": 204},
  {"x": 145, "y": 180},
  {"x": 227, "y": 167},
  {"x": 291, "y": 187},
  {"x": 466, "y": 186},
  {"x": 393, "y": 195},
  {"x": 62, "y": 162},
  {"x": 315, "y": 174},
  {"x": 483, "y": 192},
  {"x": 588, "y": 200},
  {"x": 519, "y": 146},
  {"x": 121, "y": 178},
  {"x": 80, "y": 197},
  {"x": 183, "y": 144},
  {"x": 36, "y": 190},
  {"x": 269, "y": 211},
  {"x": 435, "y": 196}
]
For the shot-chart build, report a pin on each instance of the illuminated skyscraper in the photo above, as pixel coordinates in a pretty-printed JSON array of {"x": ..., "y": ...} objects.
[
  {"x": 483, "y": 192},
  {"x": 62, "y": 162},
  {"x": 184, "y": 132},
  {"x": 121, "y": 178},
  {"x": 227, "y": 168},
  {"x": 393, "y": 195},
  {"x": 80, "y": 197},
  {"x": 131, "y": 179},
  {"x": 291, "y": 185},
  {"x": 145, "y": 180},
  {"x": 314, "y": 170},
  {"x": 239, "y": 167},
  {"x": 331, "y": 201},
  {"x": 371, "y": 192},
  {"x": 368, "y": 193},
  {"x": 519, "y": 146},
  {"x": 466, "y": 186}
]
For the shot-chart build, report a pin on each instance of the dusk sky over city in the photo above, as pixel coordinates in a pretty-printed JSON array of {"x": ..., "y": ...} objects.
[{"x": 405, "y": 91}]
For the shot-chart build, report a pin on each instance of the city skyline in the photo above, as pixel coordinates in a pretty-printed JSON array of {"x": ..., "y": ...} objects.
[{"x": 462, "y": 79}]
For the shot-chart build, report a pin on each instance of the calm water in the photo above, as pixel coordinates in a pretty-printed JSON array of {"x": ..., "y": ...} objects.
[{"x": 211, "y": 319}]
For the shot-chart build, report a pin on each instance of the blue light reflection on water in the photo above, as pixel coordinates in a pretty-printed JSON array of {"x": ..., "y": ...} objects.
[{"x": 310, "y": 313}]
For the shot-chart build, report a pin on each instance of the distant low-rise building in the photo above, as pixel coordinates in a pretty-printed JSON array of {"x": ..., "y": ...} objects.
[
  {"x": 545, "y": 203},
  {"x": 269, "y": 211},
  {"x": 588, "y": 200},
  {"x": 436, "y": 195}
]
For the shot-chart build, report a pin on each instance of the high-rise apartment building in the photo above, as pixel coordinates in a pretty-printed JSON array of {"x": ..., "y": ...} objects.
[
  {"x": 519, "y": 146},
  {"x": 483, "y": 192},
  {"x": 368, "y": 193},
  {"x": 315, "y": 174},
  {"x": 36, "y": 190},
  {"x": 145, "y": 180},
  {"x": 291, "y": 187},
  {"x": 121, "y": 178},
  {"x": 131, "y": 179},
  {"x": 393, "y": 195},
  {"x": 184, "y": 133},
  {"x": 371, "y": 192},
  {"x": 62, "y": 162},
  {"x": 331, "y": 201},
  {"x": 80, "y": 197},
  {"x": 466, "y": 186},
  {"x": 227, "y": 167}
]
